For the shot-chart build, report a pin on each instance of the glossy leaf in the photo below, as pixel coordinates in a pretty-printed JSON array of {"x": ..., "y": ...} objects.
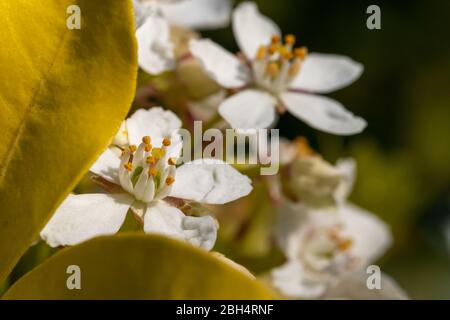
[
  {"x": 138, "y": 266},
  {"x": 63, "y": 95}
]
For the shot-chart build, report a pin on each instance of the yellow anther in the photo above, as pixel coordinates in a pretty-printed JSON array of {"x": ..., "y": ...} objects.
[
  {"x": 125, "y": 133},
  {"x": 166, "y": 142},
  {"x": 272, "y": 69},
  {"x": 289, "y": 39},
  {"x": 172, "y": 161},
  {"x": 275, "y": 39},
  {"x": 158, "y": 153},
  {"x": 301, "y": 52},
  {"x": 150, "y": 160},
  {"x": 303, "y": 147},
  {"x": 261, "y": 53},
  {"x": 333, "y": 234},
  {"x": 146, "y": 140},
  {"x": 128, "y": 166},
  {"x": 273, "y": 48},
  {"x": 170, "y": 180},
  {"x": 132, "y": 148},
  {"x": 153, "y": 172},
  {"x": 285, "y": 53},
  {"x": 148, "y": 147},
  {"x": 295, "y": 69},
  {"x": 346, "y": 244}
]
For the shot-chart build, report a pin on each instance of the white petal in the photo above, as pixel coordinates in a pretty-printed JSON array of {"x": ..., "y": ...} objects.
[
  {"x": 249, "y": 109},
  {"x": 206, "y": 108},
  {"x": 210, "y": 181},
  {"x": 155, "y": 49},
  {"x": 323, "y": 73},
  {"x": 251, "y": 29},
  {"x": 323, "y": 113},
  {"x": 289, "y": 228},
  {"x": 85, "y": 216},
  {"x": 220, "y": 64},
  {"x": 371, "y": 237},
  {"x": 107, "y": 166},
  {"x": 290, "y": 281},
  {"x": 347, "y": 167},
  {"x": 121, "y": 137},
  {"x": 355, "y": 287},
  {"x": 163, "y": 218},
  {"x": 198, "y": 14},
  {"x": 156, "y": 123},
  {"x": 164, "y": 190}
]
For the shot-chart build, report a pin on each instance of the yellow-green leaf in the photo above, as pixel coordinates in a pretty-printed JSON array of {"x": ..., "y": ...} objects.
[
  {"x": 63, "y": 95},
  {"x": 138, "y": 266}
]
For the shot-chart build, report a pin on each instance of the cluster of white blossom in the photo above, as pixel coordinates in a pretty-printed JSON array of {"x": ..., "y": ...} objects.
[{"x": 327, "y": 241}]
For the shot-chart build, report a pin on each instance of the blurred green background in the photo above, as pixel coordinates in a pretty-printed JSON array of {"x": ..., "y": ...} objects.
[{"x": 404, "y": 94}]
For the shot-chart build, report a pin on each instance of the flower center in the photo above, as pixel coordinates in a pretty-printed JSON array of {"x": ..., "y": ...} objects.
[
  {"x": 147, "y": 172},
  {"x": 327, "y": 250},
  {"x": 277, "y": 64}
]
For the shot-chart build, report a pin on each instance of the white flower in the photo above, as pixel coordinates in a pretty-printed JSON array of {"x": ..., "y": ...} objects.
[
  {"x": 317, "y": 183},
  {"x": 154, "y": 19},
  {"x": 275, "y": 75},
  {"x": 307, "y": 177},
  {"x": 146, "y": 179},
  {"x": 324, "y": 247}
]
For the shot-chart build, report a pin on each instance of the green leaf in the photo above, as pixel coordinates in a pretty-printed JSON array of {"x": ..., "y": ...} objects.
[
  {"x": 133, "y": 266},
  {"x": 63, "y": 95}
]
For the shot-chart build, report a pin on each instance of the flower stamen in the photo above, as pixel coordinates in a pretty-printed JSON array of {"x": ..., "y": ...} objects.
[
  {"x": 172, "y": 161},
  {"x": 301, "y": 52},
  {"x": 166, "y": 142},
  {"x": 146, "y": 172},
  {"x": 295, "y": 69},
  {"x": 158, "y": 153},
  {"x": 152, "y": 172},
  {"x": 150, "y": 160},
  {"x": 275, "y": 39},
  {"x": 170, "y": 180},
  {"x": 290, "y": 39},
  {"x": 272, "y": 69},
  {"x": 261, "y": 54},
  {"x": 148, "y": 147},
  {"x": 345, "y": 244},
  {"x": 278, "y": 63},
  {"x": 146, "y": 140},
  {"x": 132, "y": 148}
]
